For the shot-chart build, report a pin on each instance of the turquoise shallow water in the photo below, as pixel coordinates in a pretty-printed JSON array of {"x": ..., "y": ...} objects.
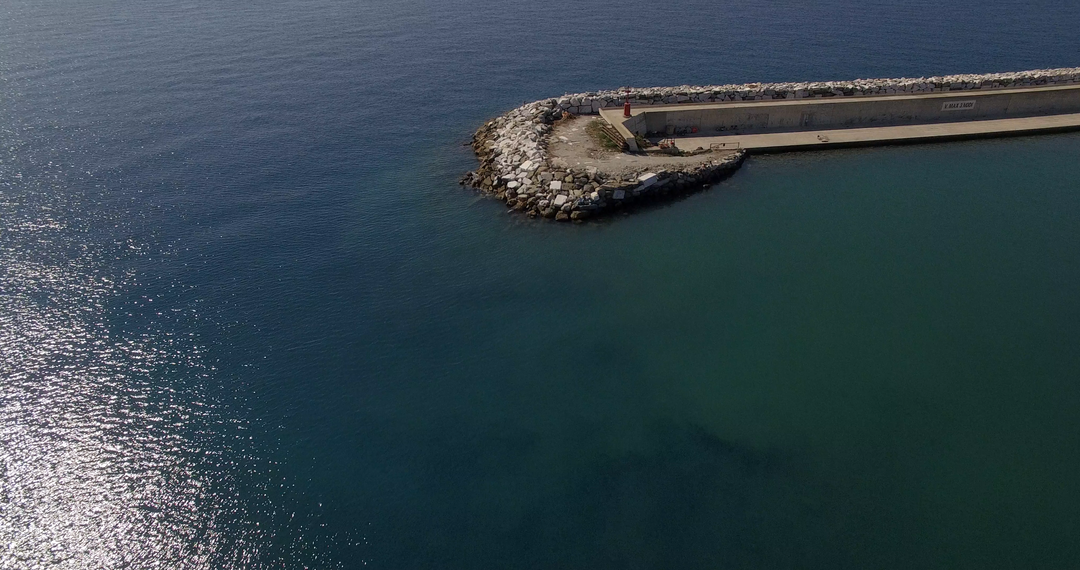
[{"x": 249, "y": 320}]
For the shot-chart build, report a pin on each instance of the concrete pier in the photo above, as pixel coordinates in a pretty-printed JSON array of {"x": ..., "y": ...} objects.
[
  {"x": 802, "y": 124},
  {"x": 531, "y": 159}
]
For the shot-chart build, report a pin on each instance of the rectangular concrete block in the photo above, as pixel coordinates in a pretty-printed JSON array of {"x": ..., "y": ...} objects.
[
  {"x": 560, "y": 200},
  {"x": 555, "y": 185},
  {"x": 647, "y": 179}
]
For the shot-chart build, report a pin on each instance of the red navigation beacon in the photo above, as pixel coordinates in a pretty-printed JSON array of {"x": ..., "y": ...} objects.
[{"x": 626, "y": 105}]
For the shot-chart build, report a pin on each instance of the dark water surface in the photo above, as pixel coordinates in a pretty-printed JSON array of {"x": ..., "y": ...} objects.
[{"x": 249, "y": 320}]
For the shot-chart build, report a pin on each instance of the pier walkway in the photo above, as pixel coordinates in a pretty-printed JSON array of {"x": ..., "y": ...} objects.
[
  {"x": 806, "y": 140},
  {"x": 819, "y": 123}
]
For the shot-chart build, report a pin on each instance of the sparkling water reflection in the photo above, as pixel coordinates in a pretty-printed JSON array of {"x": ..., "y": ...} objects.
[
  {"x": 117, "y": 448},
  {"x": 106, "y": 436},
  {"x": 248, "y": 319}
]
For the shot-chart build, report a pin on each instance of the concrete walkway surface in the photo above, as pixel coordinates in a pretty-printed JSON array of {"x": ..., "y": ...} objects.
[{"x": 805, "y": 140}]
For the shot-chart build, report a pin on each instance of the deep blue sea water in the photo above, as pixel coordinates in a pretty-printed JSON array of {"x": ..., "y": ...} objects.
[{"x": 248, "y": 319}]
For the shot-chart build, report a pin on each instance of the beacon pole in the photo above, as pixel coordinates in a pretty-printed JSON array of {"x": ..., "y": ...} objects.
[{"x": 626, "y": 105}]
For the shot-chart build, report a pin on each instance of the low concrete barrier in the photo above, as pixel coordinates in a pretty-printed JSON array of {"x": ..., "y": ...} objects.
[
  {"x": 590, "y": 103},
  {"x": 851, "y": 112}
]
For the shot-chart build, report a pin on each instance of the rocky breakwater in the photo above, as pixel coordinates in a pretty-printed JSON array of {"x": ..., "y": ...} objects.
[{"x": 515, "y": 167}]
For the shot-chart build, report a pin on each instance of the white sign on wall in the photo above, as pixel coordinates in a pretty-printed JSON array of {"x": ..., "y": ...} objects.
[{"x": 958, "y": 106}]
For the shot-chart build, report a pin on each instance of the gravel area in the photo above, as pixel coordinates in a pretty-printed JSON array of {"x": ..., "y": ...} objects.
[{"x": 570, "y": 146}]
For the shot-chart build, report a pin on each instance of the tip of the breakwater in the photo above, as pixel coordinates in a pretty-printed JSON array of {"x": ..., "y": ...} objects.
[
  {"x": 578, "y": 156},
  {"x": 546, "y": 162}
]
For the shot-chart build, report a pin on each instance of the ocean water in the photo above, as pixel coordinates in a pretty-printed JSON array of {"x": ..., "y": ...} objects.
[{"x": 248, "y": 319}]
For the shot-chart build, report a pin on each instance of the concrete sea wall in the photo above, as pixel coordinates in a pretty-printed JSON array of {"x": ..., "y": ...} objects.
[
  {"x": 516, "y": 167},
  {"x": 591, "y": 103},
  {"x": 838, "y": 113}
]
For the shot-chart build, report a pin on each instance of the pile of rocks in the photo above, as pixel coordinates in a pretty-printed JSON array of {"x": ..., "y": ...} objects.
[
  {"x": 591, "y": 103},
  {"x": 515, "y": 167}
]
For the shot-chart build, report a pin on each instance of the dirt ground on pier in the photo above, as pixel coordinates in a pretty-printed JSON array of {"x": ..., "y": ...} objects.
[{"x": 571, "y": 143}]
